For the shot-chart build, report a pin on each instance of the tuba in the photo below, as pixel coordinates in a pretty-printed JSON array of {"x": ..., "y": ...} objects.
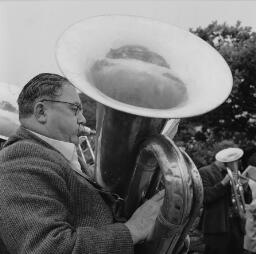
[
  {"x": 142, "y": 73},
  {"x": 9, "y": 119}
]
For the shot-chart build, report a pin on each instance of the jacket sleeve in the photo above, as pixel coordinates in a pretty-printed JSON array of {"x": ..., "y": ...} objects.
[
  {"x": 213, "y": 191},
  {"x": 34, "y": 217}
]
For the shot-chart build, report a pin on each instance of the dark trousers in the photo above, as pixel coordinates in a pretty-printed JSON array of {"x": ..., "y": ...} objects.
[{"x": 226, "y": 243}]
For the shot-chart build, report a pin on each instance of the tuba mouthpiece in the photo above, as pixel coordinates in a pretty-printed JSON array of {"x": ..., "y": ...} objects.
[{"x": 86, "y": 131}]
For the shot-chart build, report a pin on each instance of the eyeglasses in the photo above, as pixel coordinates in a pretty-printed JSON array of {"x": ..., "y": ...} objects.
[{"x": 75, "y": 107}]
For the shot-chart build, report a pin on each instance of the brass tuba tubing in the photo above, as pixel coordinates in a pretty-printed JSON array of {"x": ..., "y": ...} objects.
[
  {"x": 122, "y": 134},
  {"x": 181, "y": 202}
]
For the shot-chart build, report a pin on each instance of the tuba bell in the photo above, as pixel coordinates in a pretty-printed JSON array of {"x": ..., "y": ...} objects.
[
  {"x": 9, "y": 119},
  {"x": 142, "y": 73}
]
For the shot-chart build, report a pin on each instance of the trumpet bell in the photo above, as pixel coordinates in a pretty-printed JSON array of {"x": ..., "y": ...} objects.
[
  {"x": 125, "y": 61},
  {"x": 9, "y": 119}
]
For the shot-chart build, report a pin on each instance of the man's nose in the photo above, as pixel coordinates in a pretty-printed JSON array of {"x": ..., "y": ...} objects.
[{"x": 81, "y": 119}]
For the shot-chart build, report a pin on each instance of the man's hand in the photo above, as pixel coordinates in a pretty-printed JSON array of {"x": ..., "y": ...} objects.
[
  {"x": 225, "y": 180},
  {"x": 184, "y": 248},
  {"x": 142, "y": 222}
]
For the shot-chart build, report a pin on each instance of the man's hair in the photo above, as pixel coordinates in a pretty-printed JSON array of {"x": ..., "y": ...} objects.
[{"x": 44, "y": 85}]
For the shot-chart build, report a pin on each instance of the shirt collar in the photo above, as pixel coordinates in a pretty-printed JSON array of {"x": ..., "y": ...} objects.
[{"x": 68, "y": 150}]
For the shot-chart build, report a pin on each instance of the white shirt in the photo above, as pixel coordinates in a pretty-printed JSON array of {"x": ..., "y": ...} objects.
[{"x": 68, "y": 150}]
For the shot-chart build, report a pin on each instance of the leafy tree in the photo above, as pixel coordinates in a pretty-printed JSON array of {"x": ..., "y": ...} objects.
[
  {"x": 235, "y": 119},
  {"x": 237, "y": 45}
]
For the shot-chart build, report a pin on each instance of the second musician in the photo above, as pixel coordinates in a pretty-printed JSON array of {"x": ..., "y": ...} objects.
[{"x": 222, "y": 225}]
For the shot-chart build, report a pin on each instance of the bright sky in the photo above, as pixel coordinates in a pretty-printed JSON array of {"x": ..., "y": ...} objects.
[{"x": 29, "y": 29}]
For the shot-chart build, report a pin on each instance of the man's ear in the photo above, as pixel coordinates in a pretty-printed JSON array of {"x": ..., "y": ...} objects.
[{"x": 40, "y": 112}]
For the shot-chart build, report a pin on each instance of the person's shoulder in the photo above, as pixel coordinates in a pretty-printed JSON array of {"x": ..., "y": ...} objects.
[
  {"x": 206, "y": 169},
  {"x": 28, "y": 155},
  {"x": 25, "y": 149}
]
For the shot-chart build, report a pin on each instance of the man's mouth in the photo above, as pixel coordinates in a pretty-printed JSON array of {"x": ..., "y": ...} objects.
[{"x": 79, "y": 130}]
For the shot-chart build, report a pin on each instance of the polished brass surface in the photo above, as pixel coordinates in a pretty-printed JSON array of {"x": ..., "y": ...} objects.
[{"x": 9, "y": 119}]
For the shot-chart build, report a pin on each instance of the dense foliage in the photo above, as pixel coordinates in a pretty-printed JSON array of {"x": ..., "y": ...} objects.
[{"x": 235, "y": 119}]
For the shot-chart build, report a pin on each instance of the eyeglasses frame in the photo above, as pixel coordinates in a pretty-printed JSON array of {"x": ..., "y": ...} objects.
[{"x": 78, "y": 106}]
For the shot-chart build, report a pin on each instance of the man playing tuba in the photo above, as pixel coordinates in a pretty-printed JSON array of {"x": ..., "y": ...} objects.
[{"x": 48, "y": 205}]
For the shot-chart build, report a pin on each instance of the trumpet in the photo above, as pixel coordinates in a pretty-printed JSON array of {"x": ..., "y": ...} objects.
[{"x": 238, "y": 200}]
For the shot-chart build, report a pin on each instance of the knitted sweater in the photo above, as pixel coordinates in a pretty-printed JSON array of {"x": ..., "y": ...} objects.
[{"x": 46, "y": 207}]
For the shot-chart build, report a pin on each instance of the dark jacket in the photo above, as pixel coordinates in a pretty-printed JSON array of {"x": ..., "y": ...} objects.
[
  {"x": 217, "y": 200},
  {"x": 46, "y": 207}
]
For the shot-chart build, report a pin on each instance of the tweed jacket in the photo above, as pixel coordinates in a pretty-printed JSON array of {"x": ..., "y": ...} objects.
[
  {"x": 46, "y": 207},
  {"x": 217, "y": 200}
]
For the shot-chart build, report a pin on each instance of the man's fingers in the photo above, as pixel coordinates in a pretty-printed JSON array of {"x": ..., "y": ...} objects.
[{"x": 158, "y": 196}]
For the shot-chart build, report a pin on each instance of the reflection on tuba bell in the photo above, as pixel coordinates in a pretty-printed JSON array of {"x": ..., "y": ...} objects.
[
  {"x": 230, "y": 157},
  {"x": 142, "y": 72},
  {"x": 9, "y": 118}
]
